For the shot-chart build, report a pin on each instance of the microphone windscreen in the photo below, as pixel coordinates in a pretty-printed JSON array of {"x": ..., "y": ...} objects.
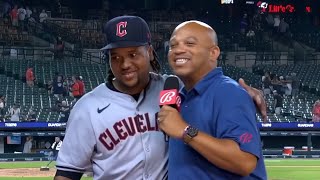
[
  {"x": 172, "y": 82},
  {"x": 170, "y": 93}
]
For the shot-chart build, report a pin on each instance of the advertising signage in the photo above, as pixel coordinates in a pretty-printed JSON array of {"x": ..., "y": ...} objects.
[{"x": 281, "y": 8}]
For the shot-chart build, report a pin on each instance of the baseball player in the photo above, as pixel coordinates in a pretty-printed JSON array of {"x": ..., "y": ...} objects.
[
  {"x": 113, "y": 129},
  {"x": 56, "y": 145}
]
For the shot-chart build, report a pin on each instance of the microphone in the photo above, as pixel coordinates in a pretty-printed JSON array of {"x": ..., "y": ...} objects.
[
  {"x": 170, "y": 93},
  {"x": 170, "y": 96}
]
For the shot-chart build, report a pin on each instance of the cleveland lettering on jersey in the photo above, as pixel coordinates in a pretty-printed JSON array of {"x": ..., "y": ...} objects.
[{"x": 124, "y": 128}]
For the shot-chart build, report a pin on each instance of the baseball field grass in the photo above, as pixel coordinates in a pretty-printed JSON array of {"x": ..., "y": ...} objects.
[
  {"x": 293, "y": 169},
  {"x": 278, "y": 169}
]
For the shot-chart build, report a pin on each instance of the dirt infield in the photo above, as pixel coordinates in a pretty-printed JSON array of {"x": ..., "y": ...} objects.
[{"x": 27, "y": 172}]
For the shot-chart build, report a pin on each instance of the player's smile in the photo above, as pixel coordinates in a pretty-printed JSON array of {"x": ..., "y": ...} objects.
[{"x": 129, "y": 75}]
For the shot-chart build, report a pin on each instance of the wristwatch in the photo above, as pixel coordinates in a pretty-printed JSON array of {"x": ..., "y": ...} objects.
[{"x": 189, "y": 133}]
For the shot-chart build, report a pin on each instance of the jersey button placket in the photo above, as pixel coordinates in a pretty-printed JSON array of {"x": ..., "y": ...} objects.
[
  {"x": 134, "y": 102},
  {"x": 147, "y": 149},
  {"x": 146, "y": 176}
]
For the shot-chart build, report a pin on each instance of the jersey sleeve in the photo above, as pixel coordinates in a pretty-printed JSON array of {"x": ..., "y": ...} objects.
[
  {"x": 236, "y": 118},
  {"x": 79, "y": 141}
]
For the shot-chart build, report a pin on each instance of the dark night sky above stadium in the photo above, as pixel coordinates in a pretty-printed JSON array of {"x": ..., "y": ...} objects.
[{"x": 159, "y": 4}]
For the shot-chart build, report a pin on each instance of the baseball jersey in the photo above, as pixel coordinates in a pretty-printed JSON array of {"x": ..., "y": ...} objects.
[
  {"x": 220, "y": 107},
  {"x": 115, "y": 135}
]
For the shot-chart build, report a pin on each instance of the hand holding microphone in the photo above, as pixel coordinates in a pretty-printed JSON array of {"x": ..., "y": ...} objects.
[{"x": 169, "y": 118}]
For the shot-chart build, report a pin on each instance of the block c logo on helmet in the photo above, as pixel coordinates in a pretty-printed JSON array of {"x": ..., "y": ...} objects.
[{"x": 121, "y": 29}]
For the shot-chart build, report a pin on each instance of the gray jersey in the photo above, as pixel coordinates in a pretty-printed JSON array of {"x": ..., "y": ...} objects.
[{"x": 116, "y": 135}]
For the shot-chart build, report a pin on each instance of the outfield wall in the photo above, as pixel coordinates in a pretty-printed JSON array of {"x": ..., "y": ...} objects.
[{"x": 273, "y": 135}]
